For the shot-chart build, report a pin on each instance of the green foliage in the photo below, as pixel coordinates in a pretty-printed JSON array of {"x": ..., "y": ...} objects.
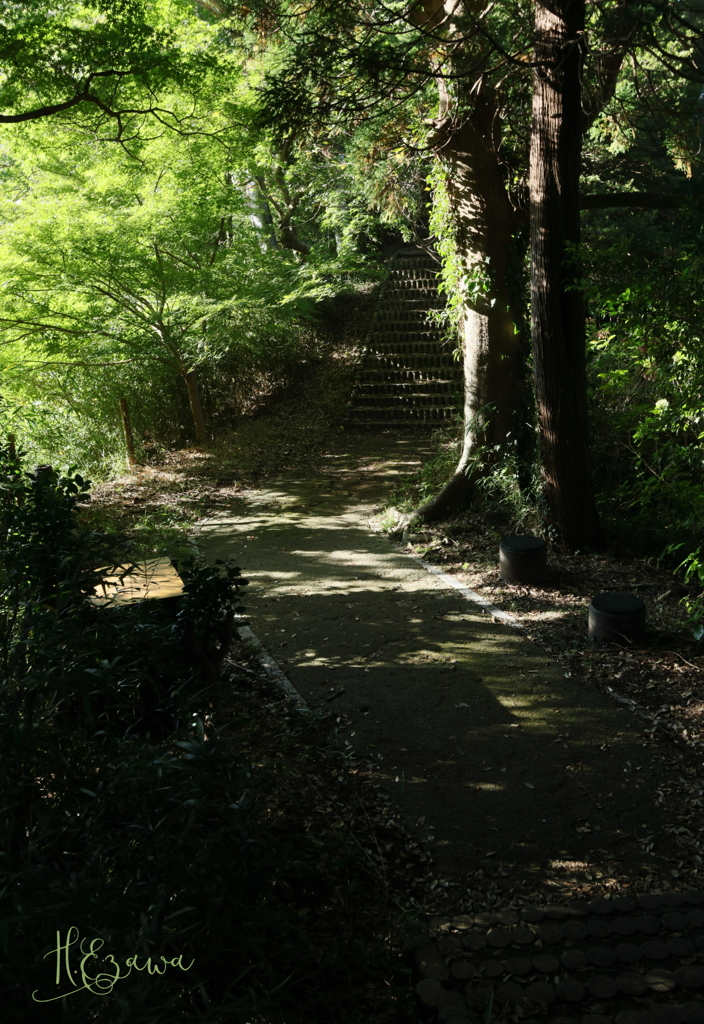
[
  {"x": 52, "y": 429},
  {"x": 325, "y": 73},
  {"x": 83, "y": 690},
  {"x": 126, "y": 255},
  {"x": 520, "y": 504},
  {"x": 99, "y": 66},
  {"x": 160, "y": 532},
  {"x": 647, "y": 370},
  {"x": 693, "y": 566},
  {"x": 123, "y": 270},
  {"x": 453, "y": 266},
  {"x": 387, "y": 180},
  {"x": 435, "y": 471},
  {"x": 49, "y": 566},
  {"x": 643, "y": 272},
  {"x": 119, "y": 277}
]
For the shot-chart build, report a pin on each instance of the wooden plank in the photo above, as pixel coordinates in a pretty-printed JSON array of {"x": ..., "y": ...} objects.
[{"x": 153, "y": 579}]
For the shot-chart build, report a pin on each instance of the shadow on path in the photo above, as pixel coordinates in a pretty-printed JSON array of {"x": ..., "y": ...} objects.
[{"x": 513, "y": 767}]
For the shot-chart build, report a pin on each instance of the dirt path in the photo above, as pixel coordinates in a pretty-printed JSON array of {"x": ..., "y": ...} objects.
[{"x": 504, "y": 765}]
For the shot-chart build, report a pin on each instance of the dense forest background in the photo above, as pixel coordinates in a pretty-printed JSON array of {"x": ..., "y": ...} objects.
[
  {"x": 184, "y": 185},
  {"x": 196, "y": 201}
]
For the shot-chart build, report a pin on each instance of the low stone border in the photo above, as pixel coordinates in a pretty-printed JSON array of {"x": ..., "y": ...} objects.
[{"x": 273, "y": 671}]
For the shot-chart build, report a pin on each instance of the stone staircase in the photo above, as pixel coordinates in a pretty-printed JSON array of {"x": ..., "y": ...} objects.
[{"x": 406, "y": 376}]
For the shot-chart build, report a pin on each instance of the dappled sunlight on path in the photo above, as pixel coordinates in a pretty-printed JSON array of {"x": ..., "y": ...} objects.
[{"x": 511, "y": 766}]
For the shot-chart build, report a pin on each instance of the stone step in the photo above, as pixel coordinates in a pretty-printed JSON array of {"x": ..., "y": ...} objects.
[
  {"x": 402, "y": 348},
  {"x": 402, "y": 391},
  {"x": 410, "y": 297},
  {"x": 390, "y": 333},
  {"x": 415, "y": 328},
  {"x": 404, "y": 286},
  {"x": 384, "y": 341},
  {"x": 414, "y": 263},
  {"x": 405, "y": 376},
  {"x": 409, "y": 294},
  {"x": 378, "y": 361},
  {"x": 407, "y": 311},
  {"x": 394, "y": 414},
  {"x": 400, "y": 280},
  {"x": 411, "y": 310},
  {"x": 424, "y": 313},
  {"x": 425, "y": 400},
  {"x": 379, "y": 341}
]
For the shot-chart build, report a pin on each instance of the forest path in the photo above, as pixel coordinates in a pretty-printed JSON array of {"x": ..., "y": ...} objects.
[{"x": 497, "y": 760}]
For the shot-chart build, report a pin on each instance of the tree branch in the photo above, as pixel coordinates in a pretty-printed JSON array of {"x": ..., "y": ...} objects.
[
  {"x": 40, "y": 364},
  {"x": 83, "y": 96},
  {"x": 269, "y": 198},
  {"x": 46, "y": 111},
  {"x": 630, "y": 200}
]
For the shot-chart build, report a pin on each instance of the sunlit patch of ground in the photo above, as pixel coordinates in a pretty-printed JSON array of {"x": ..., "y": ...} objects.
[
  {"x": 661, "y": 680},
  {"x": 157, "y": 504}
]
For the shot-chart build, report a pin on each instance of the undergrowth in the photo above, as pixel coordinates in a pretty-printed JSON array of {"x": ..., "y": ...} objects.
[
  {"x": 177, "y": 844},
  {"x": 499, "y": 494}
]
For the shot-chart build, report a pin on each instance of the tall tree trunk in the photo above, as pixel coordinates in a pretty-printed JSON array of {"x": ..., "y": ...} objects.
[
  {"x": 191, "y": 379},
  {"x": 485, "y": 228},
  {"x": 127, "y": 431},
  {"x": 260, "y": 215},
  {"x": 557, "y": 313}
]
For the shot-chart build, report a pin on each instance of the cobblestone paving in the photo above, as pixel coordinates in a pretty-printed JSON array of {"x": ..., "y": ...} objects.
[{"x": 635, "y": 961}]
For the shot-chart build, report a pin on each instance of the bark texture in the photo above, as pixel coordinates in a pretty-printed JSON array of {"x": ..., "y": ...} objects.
[
  {"x": 127, "y": 431},
  {"x": 191, "y": 379},
  {"x": 557, "y": 314},
  {"x": 485, "y": 226}
]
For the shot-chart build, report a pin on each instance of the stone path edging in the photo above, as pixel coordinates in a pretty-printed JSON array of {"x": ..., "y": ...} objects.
[
  {"x": 574, "y": 958},
  {"x": 271, "y": 668},
  {"x": 673, "y": 729},
  {"x": 466, "y": 591}
]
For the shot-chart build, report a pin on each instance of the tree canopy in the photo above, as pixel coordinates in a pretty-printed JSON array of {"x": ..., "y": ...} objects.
[
  {"x": 259, "y": 146},
  {"x": 103, "y": 67}
]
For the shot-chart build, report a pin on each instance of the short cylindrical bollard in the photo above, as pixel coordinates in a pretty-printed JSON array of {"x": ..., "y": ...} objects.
[
  {"x": 523, "y": 559},
  {"x": 617, "y": 618}
]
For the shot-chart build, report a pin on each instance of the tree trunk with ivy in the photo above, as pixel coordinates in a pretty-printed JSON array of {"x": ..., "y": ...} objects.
[{"x": 486, "y": 228}]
